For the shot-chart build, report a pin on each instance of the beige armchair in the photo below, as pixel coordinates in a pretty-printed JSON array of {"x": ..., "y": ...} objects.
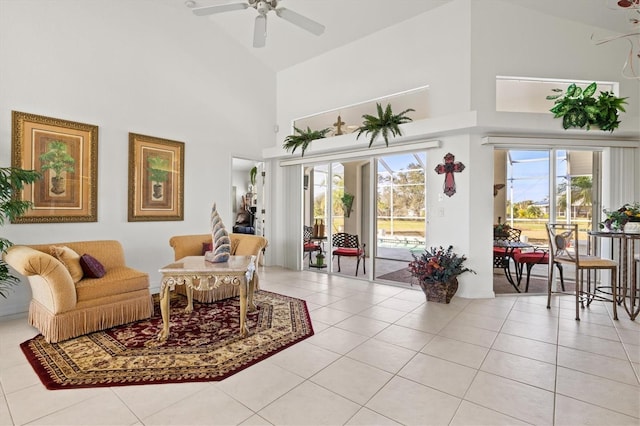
[
  {"x": 241, "y": 245},
  {"x": 66, "y": 304}
]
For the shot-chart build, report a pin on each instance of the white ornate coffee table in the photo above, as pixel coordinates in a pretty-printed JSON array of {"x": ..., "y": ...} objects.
[{"x": 195, "y": 273}]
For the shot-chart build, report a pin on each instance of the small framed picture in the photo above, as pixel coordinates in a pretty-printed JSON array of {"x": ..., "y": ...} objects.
[
  {"x": 66, "y": 153},
  {"x": 156, "y": 179}
]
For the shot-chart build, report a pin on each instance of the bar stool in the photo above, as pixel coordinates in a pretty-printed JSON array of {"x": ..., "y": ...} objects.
[{"x": 563, "y": 240}]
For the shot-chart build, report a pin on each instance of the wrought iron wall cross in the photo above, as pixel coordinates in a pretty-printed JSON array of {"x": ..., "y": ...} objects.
[{"x": 449, "y": 168}]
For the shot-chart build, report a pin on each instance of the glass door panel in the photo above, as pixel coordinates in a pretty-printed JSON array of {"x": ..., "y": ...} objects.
[
  {"x": 400, "y": 214},
  {"x": 527, "y": 206},
  {"x": 574, "y": 191},
  {"x": 348, "y": 223},
  {"x": 315, "y": 216}
]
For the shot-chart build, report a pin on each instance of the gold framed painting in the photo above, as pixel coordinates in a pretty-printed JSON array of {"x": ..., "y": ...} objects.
[
  {"x": 156, "y": 179},
  {"x": 66, "y": 153}
]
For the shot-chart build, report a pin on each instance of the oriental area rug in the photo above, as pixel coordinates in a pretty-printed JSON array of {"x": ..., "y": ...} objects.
[{"x": 203, "y": 346}]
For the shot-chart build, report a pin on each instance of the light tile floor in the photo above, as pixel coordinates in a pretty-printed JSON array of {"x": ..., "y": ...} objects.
[{"x": 380, "y": 356}]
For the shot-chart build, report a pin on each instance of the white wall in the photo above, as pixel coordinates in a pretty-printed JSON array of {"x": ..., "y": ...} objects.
[
  {"x": 105, "y": 62},
  {"x": 423, "y": 50}
]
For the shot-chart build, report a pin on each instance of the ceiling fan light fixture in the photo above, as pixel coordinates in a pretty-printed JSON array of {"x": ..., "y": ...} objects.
[{"x": 263, "y": 7}]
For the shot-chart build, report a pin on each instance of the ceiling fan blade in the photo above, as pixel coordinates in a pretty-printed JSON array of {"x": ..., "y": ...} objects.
[
  {"x": 301, "y": 21},
  {"x": 210, "y": 10},
  {"x": 260, "y": 31}
]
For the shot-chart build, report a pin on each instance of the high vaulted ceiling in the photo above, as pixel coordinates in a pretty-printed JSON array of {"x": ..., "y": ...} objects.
[{"x": 349, "y": 20}]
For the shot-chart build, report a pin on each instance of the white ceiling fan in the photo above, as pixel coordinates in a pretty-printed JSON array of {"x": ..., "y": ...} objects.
[{"x": 263, "y": 7}]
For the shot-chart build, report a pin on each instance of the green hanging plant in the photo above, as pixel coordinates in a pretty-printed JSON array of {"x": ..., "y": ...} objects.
[
  {"x": 386, "y": 122},
  {"x": 580, "y": 108},
  {"x": 303, "y": 139}
]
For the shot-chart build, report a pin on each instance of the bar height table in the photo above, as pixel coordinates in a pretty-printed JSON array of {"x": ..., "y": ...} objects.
[
  {"x": 629, "y": 289},
  {"x": 509, "y": 247}
]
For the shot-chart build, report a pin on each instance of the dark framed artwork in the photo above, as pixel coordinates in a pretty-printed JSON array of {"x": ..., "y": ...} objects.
[
  {"x": 156, "y": 179},
  {"x": 66, "y": 153}
]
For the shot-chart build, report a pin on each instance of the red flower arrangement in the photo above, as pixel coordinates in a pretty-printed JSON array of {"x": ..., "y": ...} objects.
[{"x": 437, "y": 265}]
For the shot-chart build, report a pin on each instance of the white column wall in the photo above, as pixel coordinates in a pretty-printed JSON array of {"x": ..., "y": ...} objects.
[{"x": 133, "y": 66}]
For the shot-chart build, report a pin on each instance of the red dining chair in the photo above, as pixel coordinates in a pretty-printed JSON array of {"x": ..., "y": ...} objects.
[
  {"x": 348, "y": 245},
  {"x": 530, "y": 259},
  {"x": 309, "y": 245}
]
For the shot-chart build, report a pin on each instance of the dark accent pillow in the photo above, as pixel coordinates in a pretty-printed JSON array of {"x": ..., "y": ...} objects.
[
  {"x": 206, "y": 247},
  {"x": 91, "y": 267}
]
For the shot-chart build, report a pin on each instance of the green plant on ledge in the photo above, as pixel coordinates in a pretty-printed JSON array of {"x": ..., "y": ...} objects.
[
  {"x": 12, "y": 180},
  {"x": 303, "y": 139},
  {"x": 580, "y": 108},
  {"x": 386, "y": 122}
]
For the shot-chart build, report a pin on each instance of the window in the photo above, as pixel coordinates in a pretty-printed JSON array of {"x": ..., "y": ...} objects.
[{"x": 523, "y": 94}]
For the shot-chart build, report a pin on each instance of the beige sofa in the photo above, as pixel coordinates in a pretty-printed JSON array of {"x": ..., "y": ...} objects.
[
  {"x": 241, "y": 245},
  {"x": 61, "y": 308}
]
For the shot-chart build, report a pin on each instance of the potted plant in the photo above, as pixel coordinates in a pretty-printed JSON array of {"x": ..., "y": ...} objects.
[
  {"x": 303, "y": 139},
  {"x": 347, "y": 203},
  {"x": 253, "y": 173},
  {"x": 580, "y": 108},
  {"x": 501, "y": 230},
  {"x": 436, "y": 272},
  {"x": 627, "y": 216},
  {"x": 386, "y": 122},
  {"x": 158, "y": 172},
  {"x": 57, "y": 159},
  {"x": 12, "y": 180}
]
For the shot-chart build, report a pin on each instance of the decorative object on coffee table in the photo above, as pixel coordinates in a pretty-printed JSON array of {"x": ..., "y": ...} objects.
[
  {"x": 436, "y": 272},
  {"x": 220, "y": 238}
]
